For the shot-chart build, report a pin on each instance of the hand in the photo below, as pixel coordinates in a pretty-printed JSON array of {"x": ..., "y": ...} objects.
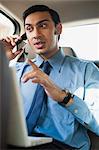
[
  {"x": 38, "y": 76},
  {"x": 9, "y": 44}
]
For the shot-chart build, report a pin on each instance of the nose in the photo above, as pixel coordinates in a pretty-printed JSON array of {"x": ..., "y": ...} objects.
[{"x": 36, "y": 33}]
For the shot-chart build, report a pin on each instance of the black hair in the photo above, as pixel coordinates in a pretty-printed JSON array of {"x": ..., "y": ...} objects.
[{"x": 54, "y": 15}]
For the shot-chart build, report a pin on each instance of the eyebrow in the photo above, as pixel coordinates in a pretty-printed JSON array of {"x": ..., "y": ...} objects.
[{"x": 41, "y": 21}]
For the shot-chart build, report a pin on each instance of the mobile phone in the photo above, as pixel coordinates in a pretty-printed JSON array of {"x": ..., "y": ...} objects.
[
  {"x": 23, "y": 37},
  {"x": 20, "y": 43}
]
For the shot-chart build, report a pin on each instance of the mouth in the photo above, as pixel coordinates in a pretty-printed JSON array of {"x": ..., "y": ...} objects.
[{"x": 39, "y": 45}]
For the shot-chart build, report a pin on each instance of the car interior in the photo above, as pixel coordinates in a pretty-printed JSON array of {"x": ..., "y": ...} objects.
[{"x": 74, "y": 13}]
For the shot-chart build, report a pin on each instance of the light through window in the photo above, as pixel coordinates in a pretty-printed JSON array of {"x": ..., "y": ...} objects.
[
  {"x": 6, "y": 26},
  {"x": 83, "y": 40}
]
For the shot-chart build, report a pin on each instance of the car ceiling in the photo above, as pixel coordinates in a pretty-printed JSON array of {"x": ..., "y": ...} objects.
[{"x": 69, "y": 10}]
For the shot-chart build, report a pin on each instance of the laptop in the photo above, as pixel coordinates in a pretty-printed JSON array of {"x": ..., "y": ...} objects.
[{"x": 17, "y": 134}]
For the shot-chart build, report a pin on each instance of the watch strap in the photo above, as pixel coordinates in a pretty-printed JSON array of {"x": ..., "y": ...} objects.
[{"x": 66, "y": 98}]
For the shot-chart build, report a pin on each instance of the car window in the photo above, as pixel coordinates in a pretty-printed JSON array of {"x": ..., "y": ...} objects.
[
  {"x": 83, "y": 40},
  {"x": 8, "y": 25}
]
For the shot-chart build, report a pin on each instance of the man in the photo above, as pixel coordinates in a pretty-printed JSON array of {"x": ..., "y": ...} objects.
[{"x": 72, "y": 87}]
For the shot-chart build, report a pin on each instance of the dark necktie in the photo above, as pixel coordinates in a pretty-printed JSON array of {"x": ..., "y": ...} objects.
[{"x": 39, "y": 99}]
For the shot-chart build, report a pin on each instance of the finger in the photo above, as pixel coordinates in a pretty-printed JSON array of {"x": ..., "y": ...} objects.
[
  {"x": 28, "y": 76},
  {"x": 7, "y": 39},
  {"x": 34, "y": 66},
  {"x": 7, "y": 43},
  {"x": 10, "y": 40},
  {"x": 36, "y": 80},
  {"x": 15, "y": 36},
  {"x": 18, "y": 38},
  {"x": 17, "y": 52},
  {"x": 13, "y": 39}
]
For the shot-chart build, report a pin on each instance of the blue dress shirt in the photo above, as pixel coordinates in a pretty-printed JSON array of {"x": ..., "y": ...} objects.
[{"x": 67, "y": 124}]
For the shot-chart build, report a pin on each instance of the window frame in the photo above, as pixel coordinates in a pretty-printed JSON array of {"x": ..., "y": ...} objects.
[{"x": 17, "y": 28}]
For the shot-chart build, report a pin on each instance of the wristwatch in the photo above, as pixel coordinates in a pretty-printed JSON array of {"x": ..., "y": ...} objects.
[{"x": 66, "y": 98}]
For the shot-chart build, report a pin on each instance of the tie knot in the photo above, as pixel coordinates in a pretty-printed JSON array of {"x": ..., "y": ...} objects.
[{"x": 46, "y": 67}]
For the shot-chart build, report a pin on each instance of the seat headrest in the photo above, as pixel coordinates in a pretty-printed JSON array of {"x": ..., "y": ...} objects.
[
  {"x": 69, "y": 51},
  {"x": 96, "y": 63}
]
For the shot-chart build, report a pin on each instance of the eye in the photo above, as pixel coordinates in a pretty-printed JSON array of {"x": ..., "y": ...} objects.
[
  {"x": 43, "y": 25},
  {"x": 28, "y": 28}
]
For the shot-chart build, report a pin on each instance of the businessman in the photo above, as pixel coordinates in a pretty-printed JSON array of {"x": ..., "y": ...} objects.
[{"x": 70, "y": 88}]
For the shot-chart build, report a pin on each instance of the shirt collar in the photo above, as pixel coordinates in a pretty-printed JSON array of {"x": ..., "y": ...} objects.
[
  {"x": 56, "y": 61},
  {"x": 38, "y": 60}
]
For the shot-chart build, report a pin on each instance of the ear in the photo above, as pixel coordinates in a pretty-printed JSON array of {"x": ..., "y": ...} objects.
[{"x": 58, "y": 29}]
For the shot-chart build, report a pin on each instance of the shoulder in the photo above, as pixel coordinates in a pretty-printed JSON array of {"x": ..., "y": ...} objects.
[
  {"x": 74, "y": 60},
  {"x": 80, "y": 64}
]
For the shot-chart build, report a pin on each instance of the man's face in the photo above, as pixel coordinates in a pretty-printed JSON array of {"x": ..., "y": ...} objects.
[{"x": 41, "y": 33}]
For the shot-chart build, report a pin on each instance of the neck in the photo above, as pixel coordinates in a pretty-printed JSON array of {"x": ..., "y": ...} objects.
[{"x": 51, "y": 54}]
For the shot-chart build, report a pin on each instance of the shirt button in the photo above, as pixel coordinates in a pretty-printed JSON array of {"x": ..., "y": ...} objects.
[{"x": 75, "y": 111}]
